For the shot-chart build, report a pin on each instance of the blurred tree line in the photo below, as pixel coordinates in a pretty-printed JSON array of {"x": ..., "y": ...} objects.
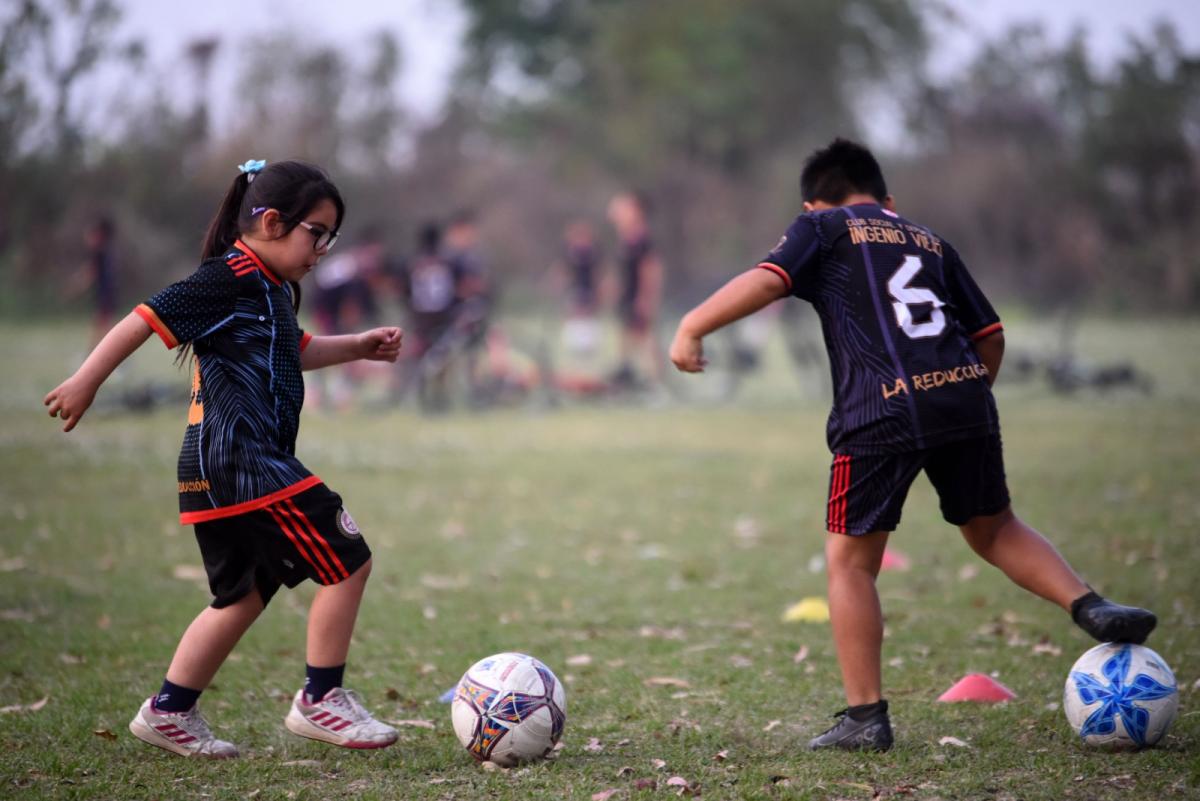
[{"x": 1063, "y": 183}]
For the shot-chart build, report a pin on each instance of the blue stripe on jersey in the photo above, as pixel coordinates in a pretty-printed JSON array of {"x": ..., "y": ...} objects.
[{"x": 885, "y": 329}]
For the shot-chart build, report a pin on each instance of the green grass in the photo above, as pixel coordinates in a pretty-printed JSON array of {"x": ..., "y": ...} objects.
[{"x": 566, "y": 534}]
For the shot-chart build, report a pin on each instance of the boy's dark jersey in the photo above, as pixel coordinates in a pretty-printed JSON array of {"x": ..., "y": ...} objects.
[
  {"x": 899, "y": 313},
  {"x": 239, "y": 447}
]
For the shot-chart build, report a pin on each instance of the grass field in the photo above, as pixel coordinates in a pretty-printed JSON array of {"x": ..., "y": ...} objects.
[{"x": 662, "y": 542}]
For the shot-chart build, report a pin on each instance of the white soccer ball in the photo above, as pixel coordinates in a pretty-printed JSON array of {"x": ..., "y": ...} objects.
[
  {"x": 1120, "y": 696},
  {"x": 509, "y": 708}
]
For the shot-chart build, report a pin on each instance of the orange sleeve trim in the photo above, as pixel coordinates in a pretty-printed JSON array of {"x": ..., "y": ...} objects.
[
  {"x": 191, "y": 518},
  {"x": 158, "y": 326},
  {"x": 986, "y": 331},
  {"x": 304, "y": 340},
  {"x": 775, "y": 268}
]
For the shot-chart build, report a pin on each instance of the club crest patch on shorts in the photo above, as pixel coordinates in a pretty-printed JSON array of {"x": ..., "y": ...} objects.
[{"x": 346, "y": 525}]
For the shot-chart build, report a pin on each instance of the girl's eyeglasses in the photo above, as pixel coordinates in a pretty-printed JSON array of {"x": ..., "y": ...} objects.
[{"x": 322, "y": 239}]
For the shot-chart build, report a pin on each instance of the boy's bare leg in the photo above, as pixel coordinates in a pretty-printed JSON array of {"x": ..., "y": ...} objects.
[
  {"x": 852, "y": 564},
  {"x": 331, "y": 619},
  {"x": 1025, "y": 556},
  {"x": 209, "y": 640}
]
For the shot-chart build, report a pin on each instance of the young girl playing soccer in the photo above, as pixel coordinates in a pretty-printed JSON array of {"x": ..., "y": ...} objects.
[{"x": 262, "y": 520}]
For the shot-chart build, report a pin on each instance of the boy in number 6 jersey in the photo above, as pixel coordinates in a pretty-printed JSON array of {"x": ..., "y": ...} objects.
[{"x": 914, "y": 347}]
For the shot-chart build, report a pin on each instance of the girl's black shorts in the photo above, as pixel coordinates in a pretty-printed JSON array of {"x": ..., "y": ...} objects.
[
  {"x": 307, "y": 536},
  {"x": 866, "y": 493}
]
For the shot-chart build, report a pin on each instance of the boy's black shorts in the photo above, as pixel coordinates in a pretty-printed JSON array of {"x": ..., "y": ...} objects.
[
  {"x": 308, "y": 536},
  {"x": 866, "y": 493}
]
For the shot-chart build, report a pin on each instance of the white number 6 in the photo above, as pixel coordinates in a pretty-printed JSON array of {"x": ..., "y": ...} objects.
[{"x": 904, "y": 296}]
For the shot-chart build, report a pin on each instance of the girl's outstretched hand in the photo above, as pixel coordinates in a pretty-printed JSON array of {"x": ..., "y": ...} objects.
[
  {"x": 381, "y": 344},
  {"x": 69, "y": 400}
]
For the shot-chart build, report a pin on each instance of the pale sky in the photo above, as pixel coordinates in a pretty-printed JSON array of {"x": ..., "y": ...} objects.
[{"x": 430, "y": 32}]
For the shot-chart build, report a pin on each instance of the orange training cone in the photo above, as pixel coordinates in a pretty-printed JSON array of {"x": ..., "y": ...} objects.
[{"x": 978, "y": 687}]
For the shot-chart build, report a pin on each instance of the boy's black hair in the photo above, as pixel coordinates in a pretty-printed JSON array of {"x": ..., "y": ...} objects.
[
  {"x": 292, "y": 188},
  {"x": 842, "y": 169}
]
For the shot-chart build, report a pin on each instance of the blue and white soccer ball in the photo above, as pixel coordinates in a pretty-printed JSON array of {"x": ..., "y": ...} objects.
[
  {"x": 509, "y": 708},
  {"x": 1120, "y": 696}
]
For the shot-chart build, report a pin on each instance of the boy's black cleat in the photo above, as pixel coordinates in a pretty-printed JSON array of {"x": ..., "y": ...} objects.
[
  {"x": 874, "y": 733},
  {"x": 1110, "y": 622}
]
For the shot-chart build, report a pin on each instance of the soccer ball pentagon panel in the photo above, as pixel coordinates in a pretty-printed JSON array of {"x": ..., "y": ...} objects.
[
  {"x": 1120, "y": 696},
  {"x": 509, "y": 708}
]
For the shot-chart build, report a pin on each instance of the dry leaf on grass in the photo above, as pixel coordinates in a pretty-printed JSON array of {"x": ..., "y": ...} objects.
[
  {"x": 658, "y": 764},
  {"x": 801, "y": 655},
  {"x": 415, "y": 723},
  {"x": 189, "y": 573},
  {"x": 721, "y": 755},
  {"x": 18, "y": 615},
  {"x": 739, "y": 661},
  {"x": 105, "y": 733},
  {"x": 954, "y": 741},
  {"x": 666, "y": 681},
  {"x": 302, "y": 763},
  {"x": 579, "y": 660},
  {"x": 594, "y": 745},
  {"x": 624, "y": 771},
  {"x": 657, "y": 632},
  {"x": 645, "y": 784},
  {"x": 772, "y": 725},
  {"x": 70, "y": 659},
  {"x": 604, "y": 795}
]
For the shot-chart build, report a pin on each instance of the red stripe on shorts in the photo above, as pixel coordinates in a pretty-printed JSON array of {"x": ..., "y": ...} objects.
[
  {"x": 311, "y": 530},
  {"x": 296, "y": 517},
  {"x": 296, "y": 543},
  {"x": 839, "y": 489}
]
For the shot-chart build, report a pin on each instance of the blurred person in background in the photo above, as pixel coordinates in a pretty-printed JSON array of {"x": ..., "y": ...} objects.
[
  {"x": 640, "y": 276},
  {"x": 576, "y": 276},
  {"x": 345, "y": 299},
  {"x": 473, "y": 289},
  {"x": 98, "y": 273}
]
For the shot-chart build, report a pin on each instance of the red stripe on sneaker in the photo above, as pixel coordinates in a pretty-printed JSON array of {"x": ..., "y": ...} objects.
[
  {"x": 344, "y": 725},
  {"x": 328, "y": 548},
  {"x": 328, "y": 576},
  {"x": 317, "y": 718},
  {"x": 296, "y": 542},
  {"x": 184, "y": 740},
  {"x": 331, "y": 721}
]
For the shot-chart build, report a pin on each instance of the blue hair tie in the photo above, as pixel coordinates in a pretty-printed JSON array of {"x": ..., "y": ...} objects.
[{"x": 251, "y": 168}]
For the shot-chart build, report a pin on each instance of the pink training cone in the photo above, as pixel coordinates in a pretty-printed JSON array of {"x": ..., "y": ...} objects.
[
  {"x": 978, "y": 687},
  {"x": 894, "y": 560}
]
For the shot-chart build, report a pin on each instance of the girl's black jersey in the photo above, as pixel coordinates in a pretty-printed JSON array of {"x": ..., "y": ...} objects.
[
  {"x": 239, "y": 446},
  {"x": 899, "y": 313}
]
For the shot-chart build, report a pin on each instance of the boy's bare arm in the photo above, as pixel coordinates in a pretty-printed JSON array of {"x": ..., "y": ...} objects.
[
  {"x": 742, "y": 296},
  {"x": 70, "y": 399},
  {"x": 991, "y": 352}
]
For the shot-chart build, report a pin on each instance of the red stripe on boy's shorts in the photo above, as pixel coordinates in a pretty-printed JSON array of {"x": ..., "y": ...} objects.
[
  {"x": 328, "y": 548},
  {"x": 845, "y": 499},
  {"x": 314, "y": 540},
  {"x": 833, "y": 491},
  {"x": 296, "y": 543},
  {"x": 837, "y": 497}
]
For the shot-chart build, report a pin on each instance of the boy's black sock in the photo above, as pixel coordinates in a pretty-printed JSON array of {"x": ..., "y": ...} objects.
[
  {"x": 173, "y": 698},
  {"x": 867, "y": 711},
  {"x": 1084, "y": 602},
  {"x": 320, "y": 680}
]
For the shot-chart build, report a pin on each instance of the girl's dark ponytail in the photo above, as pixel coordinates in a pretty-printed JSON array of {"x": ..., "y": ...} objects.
[{"x": 224, "y": 230}]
